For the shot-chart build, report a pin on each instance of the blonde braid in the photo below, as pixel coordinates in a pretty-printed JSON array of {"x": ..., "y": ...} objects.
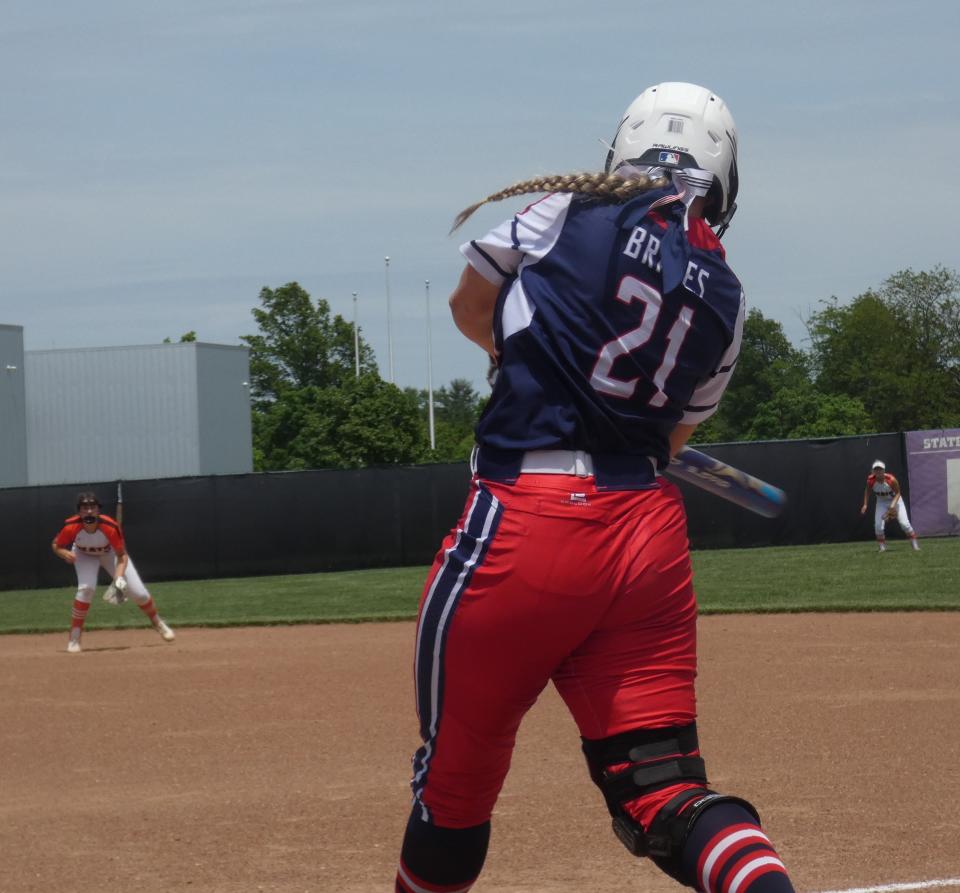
[{"x": 608, "y": 186}]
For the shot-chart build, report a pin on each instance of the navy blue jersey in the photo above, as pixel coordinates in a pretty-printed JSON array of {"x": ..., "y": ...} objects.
[{"x": 613, "y": 324}]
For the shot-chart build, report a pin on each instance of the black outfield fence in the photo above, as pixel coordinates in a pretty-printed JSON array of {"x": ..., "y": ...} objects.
[{"x": 307, "y": 521}]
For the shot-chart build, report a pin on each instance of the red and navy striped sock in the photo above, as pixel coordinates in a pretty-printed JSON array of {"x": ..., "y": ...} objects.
[
  {"x": 78, "y": 616},
  {"x": 727, "y": 852}
]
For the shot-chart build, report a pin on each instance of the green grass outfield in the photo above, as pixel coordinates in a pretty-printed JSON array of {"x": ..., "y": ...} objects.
[{"x": 836, "y": 577}]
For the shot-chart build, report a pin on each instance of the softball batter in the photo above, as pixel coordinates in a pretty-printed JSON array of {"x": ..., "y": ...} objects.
[
  {"x": 89, "y": 541},
  {"x": 615, "y": 324},
  {"x": 889, "y": 505}
]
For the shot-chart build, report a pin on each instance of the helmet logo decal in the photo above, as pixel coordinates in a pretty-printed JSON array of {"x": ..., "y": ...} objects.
[{"x": 669, "y": 158}]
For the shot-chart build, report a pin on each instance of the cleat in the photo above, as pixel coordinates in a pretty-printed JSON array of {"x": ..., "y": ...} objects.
[
  {"x": 166, "y": 633},
  {"x": 73, "y": 646}
]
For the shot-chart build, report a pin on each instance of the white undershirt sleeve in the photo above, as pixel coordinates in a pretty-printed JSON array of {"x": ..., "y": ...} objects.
[{"x": 530, "y": 234}]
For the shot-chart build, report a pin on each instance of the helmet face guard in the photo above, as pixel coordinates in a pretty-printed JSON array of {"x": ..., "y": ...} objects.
[{"x": 682, "y": 126}]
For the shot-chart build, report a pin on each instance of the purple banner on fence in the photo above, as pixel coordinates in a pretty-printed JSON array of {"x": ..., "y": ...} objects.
[{"x": 933, "y": 465}]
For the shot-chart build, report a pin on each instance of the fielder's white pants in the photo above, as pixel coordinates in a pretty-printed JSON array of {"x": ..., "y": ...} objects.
[
  {"x": 88, "y": 567},
  {"x": 879, "y": 522}
]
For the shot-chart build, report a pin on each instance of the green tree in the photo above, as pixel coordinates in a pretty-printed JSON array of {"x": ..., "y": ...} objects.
[
  {"x": 300, "y": 345},
  {"x": 185, "y": 338},
  {"x": 310, "y": 408},
  {"x": 363, "y": 421},
  {"x": 896, "y": 349},
  {"x": 802, "y": 411},
  {"x": 454, "y": 444},
  {"x": 459, "y": 404},
  {"x": 768, "y": 364},
  {"x": 456, "y": 408}
]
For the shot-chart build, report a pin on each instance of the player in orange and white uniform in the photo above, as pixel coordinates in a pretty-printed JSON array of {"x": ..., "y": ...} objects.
[
  {"x": 889, "y": 502},
  {"x": 89, "y": 541}
]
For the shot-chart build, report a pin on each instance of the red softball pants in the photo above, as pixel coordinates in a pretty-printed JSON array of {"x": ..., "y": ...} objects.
[{"x": 548, "y": 579}]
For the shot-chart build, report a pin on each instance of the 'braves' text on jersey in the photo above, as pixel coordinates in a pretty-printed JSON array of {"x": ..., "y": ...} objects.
[{"x": 614, "y": 323}]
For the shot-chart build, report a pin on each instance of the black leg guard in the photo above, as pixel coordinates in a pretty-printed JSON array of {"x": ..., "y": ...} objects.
[
  {"x": 669, "y": 831},
  {"x": 444, "y": 856},
  {"x": 657, "y": 759},
  {"x": 654, "y": 759}
]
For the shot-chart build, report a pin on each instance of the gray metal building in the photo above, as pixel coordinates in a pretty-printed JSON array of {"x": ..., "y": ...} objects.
[
  {"x": 13, "y": 417},
  {"x": 151, "y": 411}
]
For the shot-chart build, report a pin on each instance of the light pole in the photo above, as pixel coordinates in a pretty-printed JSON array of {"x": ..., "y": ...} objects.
[
  {"x": 433, "y": 437},
  {"x": 386, "y": 276},
  {"x": 356, "y": 337}
]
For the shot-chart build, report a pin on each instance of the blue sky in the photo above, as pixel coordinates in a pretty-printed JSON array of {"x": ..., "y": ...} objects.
[{"x": 160, "y": 163}]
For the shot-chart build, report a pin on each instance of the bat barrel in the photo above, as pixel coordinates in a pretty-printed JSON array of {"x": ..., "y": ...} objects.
[{"x": 728, "y": 483}]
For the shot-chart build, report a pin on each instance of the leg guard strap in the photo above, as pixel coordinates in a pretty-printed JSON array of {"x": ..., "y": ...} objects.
[
  {"x": 656, "y": 758},
  {"x": 670, "y": 829}
]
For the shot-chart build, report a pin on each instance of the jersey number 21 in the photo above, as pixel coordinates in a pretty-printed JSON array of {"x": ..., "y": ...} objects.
[{"x": 632, "y": 289}]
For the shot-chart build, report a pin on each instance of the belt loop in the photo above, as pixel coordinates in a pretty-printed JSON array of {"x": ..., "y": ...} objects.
[{"x": 580, "y": 465}]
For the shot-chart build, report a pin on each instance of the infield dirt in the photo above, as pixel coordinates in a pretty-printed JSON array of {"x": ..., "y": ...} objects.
[{"x": 277, "y": 759}]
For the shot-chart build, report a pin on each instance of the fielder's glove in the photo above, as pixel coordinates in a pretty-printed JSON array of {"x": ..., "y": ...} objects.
[
  {"x": 116, "y": 592},
  {"x": 890, "y": 514}
]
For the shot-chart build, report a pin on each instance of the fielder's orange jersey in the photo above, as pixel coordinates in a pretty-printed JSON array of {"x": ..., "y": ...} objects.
[
  {"x": 107, "y": 536},
  {"x": 882, "y": 485}
]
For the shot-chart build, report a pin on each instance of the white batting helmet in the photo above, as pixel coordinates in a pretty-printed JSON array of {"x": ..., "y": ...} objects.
[
  {"x": 879, "y": 464},
  {"x": 680, "y": 126}
]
